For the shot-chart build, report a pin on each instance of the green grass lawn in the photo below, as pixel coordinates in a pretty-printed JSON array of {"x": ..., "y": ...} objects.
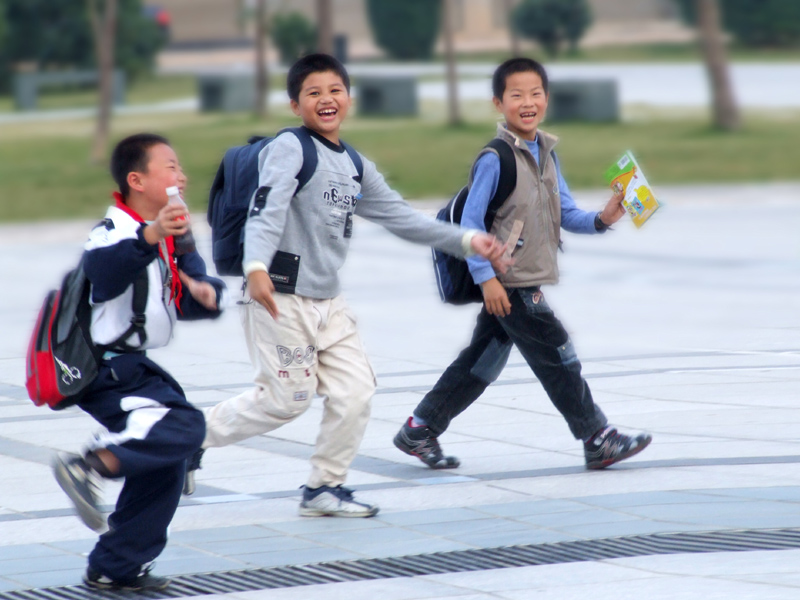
[
  {"x": 45, "y": 172},
  {"x": 661, "y": 52}
]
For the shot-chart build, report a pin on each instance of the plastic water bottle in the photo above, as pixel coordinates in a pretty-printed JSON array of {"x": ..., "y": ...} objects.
[{"x": 184, "y": 243}]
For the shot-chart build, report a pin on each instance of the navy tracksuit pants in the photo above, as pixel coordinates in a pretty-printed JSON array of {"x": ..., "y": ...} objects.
[{"x": 152, "y": 430}]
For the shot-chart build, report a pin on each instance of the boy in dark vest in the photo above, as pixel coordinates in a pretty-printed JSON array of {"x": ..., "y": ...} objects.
[{"x": 515, "y": 311}]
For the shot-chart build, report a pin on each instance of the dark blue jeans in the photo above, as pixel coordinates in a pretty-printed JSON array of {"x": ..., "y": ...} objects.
[{"x": 544, "y": 344}]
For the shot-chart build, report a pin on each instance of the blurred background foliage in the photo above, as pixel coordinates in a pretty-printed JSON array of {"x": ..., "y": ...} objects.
[
  {"x": 48, "y": 34},
  {"x": 552, "y": 23},
  {"x": 294, "y": 35},
  {"x": 756, "y": 23},
  {"x": 405, "y": 30}
]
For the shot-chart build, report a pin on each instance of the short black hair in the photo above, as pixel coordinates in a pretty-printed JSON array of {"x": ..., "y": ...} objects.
[
  {"x": 130, "y": 155},
  {"x": 519, "y": 64},
  {"x": 313, "y": 63}
]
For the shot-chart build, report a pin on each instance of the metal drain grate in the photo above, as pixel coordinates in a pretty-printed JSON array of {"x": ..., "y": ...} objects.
[{"x": 482, "y": 559}]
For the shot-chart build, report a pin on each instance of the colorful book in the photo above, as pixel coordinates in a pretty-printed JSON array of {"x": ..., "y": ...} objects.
[{"x": 626, "y": 176}]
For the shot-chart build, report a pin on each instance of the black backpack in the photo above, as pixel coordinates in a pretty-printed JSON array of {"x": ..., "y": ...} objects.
[
  {"x": 452, "y": 274},
  {"x": 62, "y": 360},
  {"x": 233, "y": 188}
]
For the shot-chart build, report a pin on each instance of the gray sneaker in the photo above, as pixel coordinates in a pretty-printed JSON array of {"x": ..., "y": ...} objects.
[
  {"x": 84, "y": 487},
  {"x": 336, "y": 501}
]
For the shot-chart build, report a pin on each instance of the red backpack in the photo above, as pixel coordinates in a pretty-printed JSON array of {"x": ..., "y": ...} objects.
[{"x": 62, "y": 359}]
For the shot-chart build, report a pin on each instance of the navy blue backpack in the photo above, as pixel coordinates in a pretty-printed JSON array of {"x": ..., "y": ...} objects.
[
  {"x": 234, "y": 185},
  {"x": 452, "y": 274}
]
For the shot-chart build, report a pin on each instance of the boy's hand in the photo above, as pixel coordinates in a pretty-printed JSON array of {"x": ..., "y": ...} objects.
[
  {"x": 260, "y": 287},
  {"x": 490, "y": 248},
  {"x": 171, "y": 220},
  {"x": 495, "y": 298},
  {"x": 202, "y": 291},
  {"x": 614, "y": 210}
]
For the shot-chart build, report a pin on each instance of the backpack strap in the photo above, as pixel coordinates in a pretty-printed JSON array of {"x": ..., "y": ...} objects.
[
  {"x": 310, "y": 158},
  {"x": 356, "y": 158},
  {"x": 138, "y": 304},
  {"x": 507, "y": 181}
]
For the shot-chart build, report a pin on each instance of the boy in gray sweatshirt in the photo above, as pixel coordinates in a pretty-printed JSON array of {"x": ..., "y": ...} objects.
[{"x": 300, "y": 333}]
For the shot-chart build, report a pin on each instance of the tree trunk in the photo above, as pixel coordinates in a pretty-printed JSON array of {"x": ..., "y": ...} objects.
[
  {"x": 508, "y": 5},
  {"x": 452, "y": 77},
  {"x": 261, "y": 107},
  {"x": 104, "y": 27},
  {"x": 324, "y": 27},
  {"x": 726, "y": 112}
]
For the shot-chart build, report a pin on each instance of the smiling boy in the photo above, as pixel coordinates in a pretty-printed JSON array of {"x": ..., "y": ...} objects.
[
  {"x": 150, "y": 427},
  {"x": 300, "y": 333},
  {"x": 515, "y": 311}
]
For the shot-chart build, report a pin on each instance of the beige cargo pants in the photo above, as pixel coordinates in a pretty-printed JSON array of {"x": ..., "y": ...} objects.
[{"x": 312, "y": 348}]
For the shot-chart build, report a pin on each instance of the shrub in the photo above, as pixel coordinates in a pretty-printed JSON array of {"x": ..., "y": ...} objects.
[
  {"x": 294, "y": 36},
  {"x": 552, "y": 22},
  {"x": 405, "y": 29},
  {"x": 755, "y": 23}
]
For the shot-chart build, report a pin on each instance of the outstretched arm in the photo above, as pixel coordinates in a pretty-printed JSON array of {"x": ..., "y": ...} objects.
[{"x": 490, "y": 248}]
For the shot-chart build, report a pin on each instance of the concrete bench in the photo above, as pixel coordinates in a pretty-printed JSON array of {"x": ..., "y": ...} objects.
[
  {"x": 387, "y": 96},
  {"x": 27, "y": 85},
  {"x": 583, "y": 100}
]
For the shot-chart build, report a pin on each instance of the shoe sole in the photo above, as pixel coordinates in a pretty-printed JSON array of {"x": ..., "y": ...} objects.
[
  {"x": 610, "y": 461},
  {"x": 315, "y": 512},
  {"x": 91, "y": 517},
  {"x": 97, "y": 585},
  {"x": 407, "y": 450}
]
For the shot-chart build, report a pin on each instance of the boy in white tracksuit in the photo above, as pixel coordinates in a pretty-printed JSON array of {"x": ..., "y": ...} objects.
[{"x": 151, "y": 429}]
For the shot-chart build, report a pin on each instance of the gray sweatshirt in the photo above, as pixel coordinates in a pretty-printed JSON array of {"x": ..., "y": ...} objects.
[{"x": 303, "y": 239}]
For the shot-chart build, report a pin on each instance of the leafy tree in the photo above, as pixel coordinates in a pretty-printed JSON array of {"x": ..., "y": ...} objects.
[
  {"x": 4, "y": 71},
  {"x": 3, "y": 26},
  {"x": 59, "y": 34},
  {"x": 552, "y": 22},
  {"x": 405, "y": 29},
  {"x": 294, "y": 36},
  {"x": 755, "y": 23}
]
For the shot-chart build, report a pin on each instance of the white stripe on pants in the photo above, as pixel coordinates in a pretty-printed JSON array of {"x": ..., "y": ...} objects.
[{"x": 313, "y": 348}]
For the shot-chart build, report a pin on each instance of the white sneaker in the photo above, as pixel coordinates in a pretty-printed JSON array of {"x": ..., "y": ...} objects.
[{"x": 336, "y": 501}]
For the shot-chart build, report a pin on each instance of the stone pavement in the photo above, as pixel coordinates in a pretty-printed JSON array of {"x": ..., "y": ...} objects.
[{"x": 688, "y": 328}]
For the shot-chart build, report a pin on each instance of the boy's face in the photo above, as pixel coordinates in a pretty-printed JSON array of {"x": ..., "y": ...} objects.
[
  {"x": 163, "y": 171},
  {"x": 323, "y": 104},
  {"x": 523, "y": 104}
]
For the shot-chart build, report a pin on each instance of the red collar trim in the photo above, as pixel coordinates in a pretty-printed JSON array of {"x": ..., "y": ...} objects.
[
  {"x": 169, "y": 259},
  {"x": 120, "y": 204}
]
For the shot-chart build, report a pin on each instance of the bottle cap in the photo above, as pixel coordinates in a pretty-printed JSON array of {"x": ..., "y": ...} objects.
[{"x": 173, "y": 191}]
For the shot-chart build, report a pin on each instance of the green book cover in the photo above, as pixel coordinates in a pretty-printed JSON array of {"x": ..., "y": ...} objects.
[{"x": 626, "y": 176}]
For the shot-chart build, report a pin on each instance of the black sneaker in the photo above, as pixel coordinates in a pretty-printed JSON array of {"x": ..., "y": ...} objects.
[
  {"x": 83, "y": 485},
  {"x": 609, "y": 446},
  {"x": 192, "y": 465},
  {"x": 326, "y": 501},
  {"x": 422, "y": 443},
  {"x": 142, "y": 583}
]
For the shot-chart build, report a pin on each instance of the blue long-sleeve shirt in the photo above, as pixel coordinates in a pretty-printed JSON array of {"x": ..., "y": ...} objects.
[{"x": 484, "y": 185}]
